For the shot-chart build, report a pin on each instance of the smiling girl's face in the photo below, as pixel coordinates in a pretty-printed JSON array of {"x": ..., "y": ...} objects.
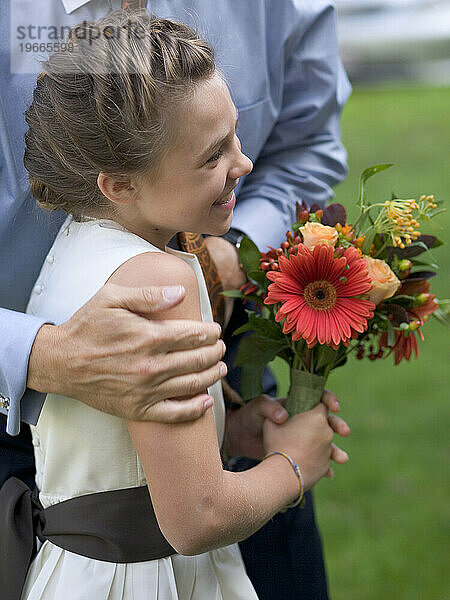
[{"x": 193, "y": 190}]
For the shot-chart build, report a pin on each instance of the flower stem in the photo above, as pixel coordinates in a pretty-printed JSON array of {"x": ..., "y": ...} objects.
[
  {"x": 383, "y": 247},
  {"x": 298, "y": 358},
  {"x": 330, "y": 365}
]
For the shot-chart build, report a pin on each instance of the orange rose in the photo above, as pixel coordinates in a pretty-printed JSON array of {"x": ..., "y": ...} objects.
[
  {"x": 384, "y": 281},
  {"x": 316, "y": 233}
]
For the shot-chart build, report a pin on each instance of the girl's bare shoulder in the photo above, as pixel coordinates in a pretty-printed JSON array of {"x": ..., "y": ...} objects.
[{"x": 161, "y": 269}]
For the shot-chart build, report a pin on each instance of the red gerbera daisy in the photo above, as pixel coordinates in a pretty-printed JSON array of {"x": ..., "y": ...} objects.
[{"x": 318, "y": 295}]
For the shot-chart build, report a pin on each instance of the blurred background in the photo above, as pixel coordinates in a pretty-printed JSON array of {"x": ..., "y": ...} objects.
[{"x": 385, "y": 517}]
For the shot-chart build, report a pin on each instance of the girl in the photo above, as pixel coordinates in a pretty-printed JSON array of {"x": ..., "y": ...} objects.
[{"x": 133, "y": 133}]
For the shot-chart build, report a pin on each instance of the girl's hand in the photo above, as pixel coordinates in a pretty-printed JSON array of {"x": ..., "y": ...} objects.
[
  {"x": 244, "y": 426},
  {"x": 337, "y": 424},
  {"x": 307, "y": 438}
]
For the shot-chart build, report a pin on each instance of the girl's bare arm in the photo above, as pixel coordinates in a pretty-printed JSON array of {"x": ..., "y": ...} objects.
[{"x": 199, "y": 506}]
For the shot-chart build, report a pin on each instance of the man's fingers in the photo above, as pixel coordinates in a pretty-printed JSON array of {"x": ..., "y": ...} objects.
[
  {"x": 179, "y": 411},
  {"x": 339, "y": 456},
  {"x": 180, "y": 334},
  {"x": 185, "y": 386},
  {"x": 172, "y": 335},
  {"x": 191, "y": 361},
  {"x": 330, "y": 400},
  {"x": 143, "y": 300},
  {"x": 338, "y": 425},
  {"x": 271, "y": 409}
]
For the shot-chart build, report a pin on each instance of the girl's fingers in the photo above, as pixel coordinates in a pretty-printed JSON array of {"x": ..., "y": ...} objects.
[
  {"x": 329, "y": 474},
  {"x": 331, "y": 401},
  {"x": 190, "y": 385},
  {"x": 339, "y": 456},
  {"x": 338, "y": 425}
]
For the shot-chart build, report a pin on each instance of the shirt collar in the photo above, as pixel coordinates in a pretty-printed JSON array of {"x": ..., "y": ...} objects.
[{"x": 71, "y": 5}]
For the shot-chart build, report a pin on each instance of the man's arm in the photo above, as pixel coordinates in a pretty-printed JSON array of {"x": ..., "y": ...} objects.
[
  {"x": 111, "y": 356},
  {"x": 17, "y": 334},
  {"x": 303, "y": 157}
]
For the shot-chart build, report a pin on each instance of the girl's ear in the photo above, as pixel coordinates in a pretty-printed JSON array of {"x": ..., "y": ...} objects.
[{"x": 119, "y": 192}]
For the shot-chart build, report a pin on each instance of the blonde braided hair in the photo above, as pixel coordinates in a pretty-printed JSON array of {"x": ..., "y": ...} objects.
[{"x": 106, "y": 106}]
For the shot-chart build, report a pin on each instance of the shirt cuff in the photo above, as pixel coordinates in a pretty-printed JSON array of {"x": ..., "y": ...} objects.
[
  {"x": 18, "y": 403},
  {"x": 263, "y": 222}
]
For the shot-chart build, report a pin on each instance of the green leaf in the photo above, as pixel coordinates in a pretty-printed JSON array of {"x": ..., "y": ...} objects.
[
  {"x": 263, "y": 327},
  {"x": 257, "y": 277},
  {"x": 421, "y": 275},
  {"x": 233, "y": 294},
  {"x": 368, "y": 241},
  {"x": 422, "y": 263},
  {"x": 254, "y": 353},
  {"x": 326, "y": 356},
  {"x": 390, "y": 334},
  {"x": 249, "y": 255},
  {"x": 365, "y": 175},
  {"x": 442, "y": 316},
  {"x": 422, "y": 244},
  {"x": 255, "y": 349},
  {"x": 340, "y": 361},
  {"x": 402, "y": 299},
  {"x": 438, "y": 243},
  {"x": 361, "y": 221},
  {"x": 251, "y": 381},
  {"x": 243, "y": 329},
  {"x": 266, "y": 328},
  {"x": 444, "y": 304}
]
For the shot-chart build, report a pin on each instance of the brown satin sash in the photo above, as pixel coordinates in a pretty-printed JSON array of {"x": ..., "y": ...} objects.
[{"x": 118, "y": 526}]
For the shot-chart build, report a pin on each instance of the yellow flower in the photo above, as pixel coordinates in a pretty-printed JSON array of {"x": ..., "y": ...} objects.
[
  {"x": 316, "y": 233},
  {"x": 384, "y": 281}
]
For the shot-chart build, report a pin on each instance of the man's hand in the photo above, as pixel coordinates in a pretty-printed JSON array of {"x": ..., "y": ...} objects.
[
  {"x": 244, "y": 426},
  {"x": 226, "y": 259},
  {"x": 111, "y": 356}
]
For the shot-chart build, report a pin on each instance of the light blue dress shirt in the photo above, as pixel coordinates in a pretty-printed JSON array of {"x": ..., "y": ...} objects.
[{"x": 281, "y": 60}]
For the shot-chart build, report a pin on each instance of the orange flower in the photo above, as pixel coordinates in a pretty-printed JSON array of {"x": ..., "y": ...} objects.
[
  {"x": 318, "y": 295},
  {"x": 384, "y": 281},
  {"x": 316, "y": 233}
]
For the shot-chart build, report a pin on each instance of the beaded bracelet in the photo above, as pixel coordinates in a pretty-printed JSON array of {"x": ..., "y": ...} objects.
[{"x": 301, "y": 498}]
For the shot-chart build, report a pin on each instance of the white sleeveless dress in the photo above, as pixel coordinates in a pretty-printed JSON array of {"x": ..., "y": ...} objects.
[{"x": 80, "y": 450}]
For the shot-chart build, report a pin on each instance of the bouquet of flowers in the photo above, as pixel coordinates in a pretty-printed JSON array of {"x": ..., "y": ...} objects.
[{"x": 332, "y": 288}]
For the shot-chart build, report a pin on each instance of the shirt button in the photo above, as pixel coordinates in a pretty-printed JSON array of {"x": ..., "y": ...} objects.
[
  {"x": 50, "y": 259},
  {"x": 4, "y": 402},
  {"x": 38, "y": 288}
]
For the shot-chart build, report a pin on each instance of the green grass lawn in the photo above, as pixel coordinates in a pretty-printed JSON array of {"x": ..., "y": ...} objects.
[{"x": 385, "y": 517}]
